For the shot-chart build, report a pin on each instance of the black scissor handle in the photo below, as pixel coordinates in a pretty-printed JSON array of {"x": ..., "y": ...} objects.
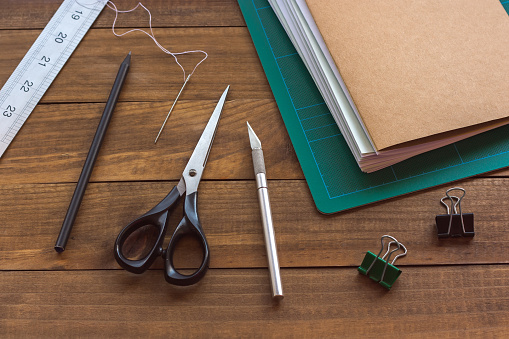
[
  {"x": 188, "y": 226},
  {"x": 156, "y": 217}
]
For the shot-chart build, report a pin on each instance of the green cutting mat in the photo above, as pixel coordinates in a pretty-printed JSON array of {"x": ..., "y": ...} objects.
[{"x": 332, "y": 174}]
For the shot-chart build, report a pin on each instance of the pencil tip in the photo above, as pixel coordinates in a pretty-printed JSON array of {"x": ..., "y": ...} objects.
[
  {"x": 129, "y": 52},
  {"x": 127, "y": 58}
]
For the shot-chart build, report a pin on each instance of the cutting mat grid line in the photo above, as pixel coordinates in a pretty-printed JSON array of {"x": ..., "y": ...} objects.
[
  {"x": 331, "y": 130},
  {"x": 319, "y": 124},
  {"x": 288, "y": 90},
  {"x": 320, "y": 141}
]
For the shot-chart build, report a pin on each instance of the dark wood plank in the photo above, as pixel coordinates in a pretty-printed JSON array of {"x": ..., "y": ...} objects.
[
  {"x": 425, "y": 302},
  {"x": 54, "y": 142},
  {"x": 154, "y": 75},
  {"x": 57, "y": 137},
  {"x": 147, "y": 82},
  {"x": 447, "y": 287},
  {"x": 20, "y": 14},
  {"x": 32, "y": 215}
]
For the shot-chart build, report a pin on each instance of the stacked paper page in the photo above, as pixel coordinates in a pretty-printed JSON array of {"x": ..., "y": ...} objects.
[{"x": 403, "y": 78}]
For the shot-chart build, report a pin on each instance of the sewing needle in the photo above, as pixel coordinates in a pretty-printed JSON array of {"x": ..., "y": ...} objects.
[{"x": 171, "y": 109}]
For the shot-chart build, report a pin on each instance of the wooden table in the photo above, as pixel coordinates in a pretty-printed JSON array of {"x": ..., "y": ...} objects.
[{"x": 449, "y": 288}]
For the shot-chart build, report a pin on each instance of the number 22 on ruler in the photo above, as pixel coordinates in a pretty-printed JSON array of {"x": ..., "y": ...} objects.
[{"x": 41, "y": 64}]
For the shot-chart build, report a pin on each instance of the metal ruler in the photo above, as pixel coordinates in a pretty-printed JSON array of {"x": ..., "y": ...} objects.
[{"x": 39, "y": 67}]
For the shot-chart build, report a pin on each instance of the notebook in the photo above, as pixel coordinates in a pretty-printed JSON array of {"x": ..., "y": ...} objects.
[
  {"x": 332, "y": 174},
  {"x": 404, "y": 77}
]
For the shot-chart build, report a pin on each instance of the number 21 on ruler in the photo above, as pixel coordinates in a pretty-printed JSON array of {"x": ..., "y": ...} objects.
[{"x": 44, "y": 60}]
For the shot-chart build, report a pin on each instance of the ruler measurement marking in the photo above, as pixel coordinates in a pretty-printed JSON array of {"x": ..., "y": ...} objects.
[
  {"x": 37, "y": 47},
  {"x": 39, "y": 44},
  {"x": 34, "y": 78}
]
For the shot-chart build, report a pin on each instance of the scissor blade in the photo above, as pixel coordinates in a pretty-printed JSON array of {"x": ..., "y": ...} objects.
[{"x": 194, "y": 168}]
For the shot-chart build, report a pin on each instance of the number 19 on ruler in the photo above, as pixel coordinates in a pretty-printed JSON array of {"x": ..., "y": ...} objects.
[{"x": 39, "y": 67}]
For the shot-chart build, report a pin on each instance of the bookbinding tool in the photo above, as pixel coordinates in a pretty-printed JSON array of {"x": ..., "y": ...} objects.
[
  {"x": 454, "y": 224},
  {"x": 158, "y": 217},
  {"x": 35, "y": 73},
  {"x": 88, "y": 166},
  {"x": 268, "y": 225},
  {"x": 378, "y": 268},
  {"x": 331, "y": 172}
]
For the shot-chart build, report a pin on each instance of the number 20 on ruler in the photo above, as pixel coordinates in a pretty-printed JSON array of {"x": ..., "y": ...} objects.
[
  {"x": 43, "y": 62},
  {"x": 41, "y": 65}
]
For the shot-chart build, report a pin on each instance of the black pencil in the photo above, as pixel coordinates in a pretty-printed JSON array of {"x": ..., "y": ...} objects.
[{"x": 74, "y": 206}]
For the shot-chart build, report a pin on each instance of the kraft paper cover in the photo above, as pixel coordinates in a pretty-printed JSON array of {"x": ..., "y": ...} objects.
[{"x": 415, "y": 68}]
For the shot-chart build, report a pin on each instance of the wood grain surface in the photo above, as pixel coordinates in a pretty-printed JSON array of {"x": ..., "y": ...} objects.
[
  {"x": 454, "y": 288},
  {"x": 453, "y": 301},
  {"x": 230, "y": 216},
  {"x": 176, "y": 13}
]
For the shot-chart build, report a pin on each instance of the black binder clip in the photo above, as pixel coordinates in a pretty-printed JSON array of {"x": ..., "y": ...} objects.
[
  {"x": 452, "y": 224},
  {"x": 378, "y": 268}
]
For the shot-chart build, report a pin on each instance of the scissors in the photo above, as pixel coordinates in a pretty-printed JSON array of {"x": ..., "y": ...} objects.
[{"x": 159, "y": 215}]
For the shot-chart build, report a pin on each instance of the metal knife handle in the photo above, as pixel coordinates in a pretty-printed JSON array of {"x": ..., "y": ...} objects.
[
  {"x": 258, "y": 162},
  {"x": 268, "y": 230}
]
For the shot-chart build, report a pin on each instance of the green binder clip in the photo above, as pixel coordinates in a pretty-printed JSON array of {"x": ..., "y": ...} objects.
[{"x": 378, "y": 268}]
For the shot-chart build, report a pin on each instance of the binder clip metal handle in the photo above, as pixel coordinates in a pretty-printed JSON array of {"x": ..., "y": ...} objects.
[
  {"x": 454, "y": 224},
  {"x": 453, "y": 205},
  {"x": 378, "y": 268}
]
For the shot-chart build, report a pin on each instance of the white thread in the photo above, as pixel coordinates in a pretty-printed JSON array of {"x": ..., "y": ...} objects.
[
  {"x": 151, "y": 35},
  {"x": 92, "y": 8}
]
